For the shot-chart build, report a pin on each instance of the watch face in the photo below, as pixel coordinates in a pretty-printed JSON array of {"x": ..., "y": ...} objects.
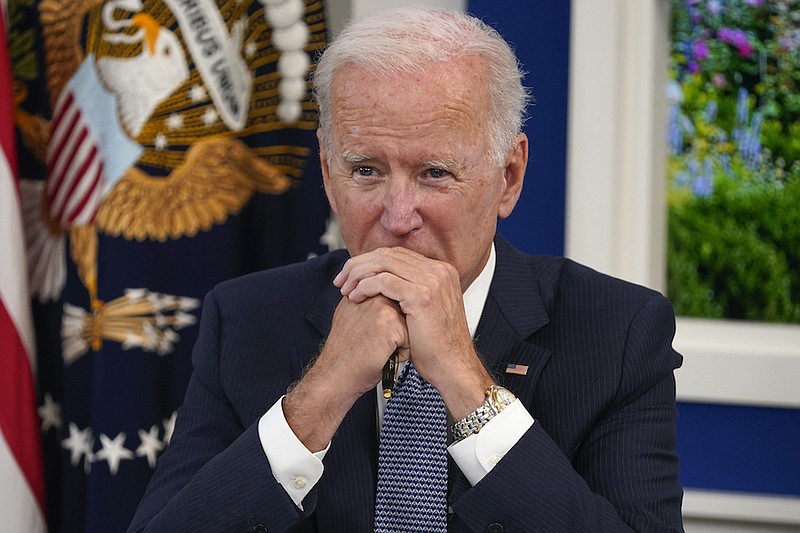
[{"x": 503, "y": 397}]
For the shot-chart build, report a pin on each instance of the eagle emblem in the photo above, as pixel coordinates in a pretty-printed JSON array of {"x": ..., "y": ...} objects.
[{"x": 157, "y": 106}]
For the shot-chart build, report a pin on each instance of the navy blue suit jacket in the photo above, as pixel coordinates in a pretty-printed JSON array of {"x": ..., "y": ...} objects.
[{"x": 600, "y": 456}]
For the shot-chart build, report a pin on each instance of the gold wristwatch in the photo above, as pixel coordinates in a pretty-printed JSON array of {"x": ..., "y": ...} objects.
[{"x": 497, "y": 399}]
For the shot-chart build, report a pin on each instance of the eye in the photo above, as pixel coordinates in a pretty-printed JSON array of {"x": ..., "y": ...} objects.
[
  {"x": 437, "y": 173},
  {"x": 365, "y": 171}
]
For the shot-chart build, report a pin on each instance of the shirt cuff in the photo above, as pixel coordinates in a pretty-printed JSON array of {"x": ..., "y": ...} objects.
[
  {"x": 477, "y": 454},
  {"x": 292, "y": 464}
]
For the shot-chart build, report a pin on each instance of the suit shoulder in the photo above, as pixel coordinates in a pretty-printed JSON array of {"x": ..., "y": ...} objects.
[
  {"x": 305, "y": 277},
  {"x": 565, "y": 277}
]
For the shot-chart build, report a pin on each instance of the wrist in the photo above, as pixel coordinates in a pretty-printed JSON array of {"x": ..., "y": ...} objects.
[
  {"x": 466, "y": 395},
  {"x": 497, "y": 398},
  {"x": 315, "y": 408}
]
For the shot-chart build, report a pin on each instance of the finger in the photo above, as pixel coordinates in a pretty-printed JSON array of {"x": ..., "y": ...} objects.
[
  {"x": 383, "y": 284},
  {"x": 400, "y": 262}
]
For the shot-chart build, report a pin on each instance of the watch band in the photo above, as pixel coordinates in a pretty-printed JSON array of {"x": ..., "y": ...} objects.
[{"x": 497, "y": 399}]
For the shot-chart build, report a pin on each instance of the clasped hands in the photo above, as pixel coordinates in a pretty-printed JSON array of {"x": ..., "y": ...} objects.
[{"x": 392, "y": 299}]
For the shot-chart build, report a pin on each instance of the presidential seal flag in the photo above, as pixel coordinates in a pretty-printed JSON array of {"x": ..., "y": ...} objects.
[{"x": 165, "y": 145}]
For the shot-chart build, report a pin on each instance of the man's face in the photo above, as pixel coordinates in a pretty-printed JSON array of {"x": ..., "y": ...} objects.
[{"x": 409, "y": 164}]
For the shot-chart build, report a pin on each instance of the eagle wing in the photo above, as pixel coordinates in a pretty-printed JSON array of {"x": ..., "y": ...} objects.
[{"x": 216, "y": 179}]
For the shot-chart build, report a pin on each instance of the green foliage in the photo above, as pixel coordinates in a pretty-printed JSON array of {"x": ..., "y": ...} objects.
[
  {"x": 734, "y": 169},
  {"x": 736, "y": 254}
]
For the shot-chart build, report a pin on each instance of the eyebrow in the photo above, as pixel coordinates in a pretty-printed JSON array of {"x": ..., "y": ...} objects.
[
  {"x": 445, "y": 163},
  {"x": 354, "y": 159}
]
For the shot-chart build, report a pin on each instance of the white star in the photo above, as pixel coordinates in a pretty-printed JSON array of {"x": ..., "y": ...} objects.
[
  {"x": 113, "y": 451},
  {"x": 161, "y": 141},
  {"x": 175, "y": 121},
  {"x": 50, "y": 413},
  {"x": 197, "y": 93},
  {"x": 169, "y": 427},
  {"x": 250, "y": 49},
  {"x": 79, "y": 443},
  {"x": 150, "y": 445},
  {"x": 210, "y": 116}
]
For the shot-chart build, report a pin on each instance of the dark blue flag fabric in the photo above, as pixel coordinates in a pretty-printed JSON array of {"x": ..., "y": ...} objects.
[{"x": 164, "y": 146}]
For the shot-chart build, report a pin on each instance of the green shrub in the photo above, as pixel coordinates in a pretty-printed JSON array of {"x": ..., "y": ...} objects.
[{"x": 734, "y": 168}]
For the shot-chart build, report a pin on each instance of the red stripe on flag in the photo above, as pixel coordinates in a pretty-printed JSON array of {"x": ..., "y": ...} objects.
[
  {"x": 90, "y": 197},
  {"x": 64, "y": 102},
  {"x": 77, "y": 178},
  {"x": 18, "y": 419},
  {"x": 56, "y": 158},
  {"x": 64, "y": 181}
]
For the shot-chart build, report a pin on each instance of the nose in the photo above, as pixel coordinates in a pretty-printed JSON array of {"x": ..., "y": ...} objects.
[{"x": 400, "y": 214}]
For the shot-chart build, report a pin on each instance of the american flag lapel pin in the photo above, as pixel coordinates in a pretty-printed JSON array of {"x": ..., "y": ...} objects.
[{"x": 514, "y": 368}]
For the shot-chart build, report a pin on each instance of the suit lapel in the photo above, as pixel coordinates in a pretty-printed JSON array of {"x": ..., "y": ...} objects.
[{"x": 514, "y": 310}]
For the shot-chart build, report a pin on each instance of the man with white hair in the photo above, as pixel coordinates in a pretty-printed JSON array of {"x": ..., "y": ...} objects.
[{"x": 555, "y": 382}]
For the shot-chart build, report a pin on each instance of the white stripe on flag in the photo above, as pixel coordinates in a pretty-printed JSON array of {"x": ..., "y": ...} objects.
[
  {"x": 18, "y": 509},
  {"x": 13, "y": 273}
]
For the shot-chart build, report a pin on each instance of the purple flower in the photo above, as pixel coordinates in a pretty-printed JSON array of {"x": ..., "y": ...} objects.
[
  {"x": 733, "y": 36},
  {"x": 703, "y": 185},
  {"x": 714, "y": 7},
  {"x": 737, "y": 38},
  {"x": 745, "y": 50},
  {"x": 754, "y": 2},
  {"x": 700, "y": 50}
]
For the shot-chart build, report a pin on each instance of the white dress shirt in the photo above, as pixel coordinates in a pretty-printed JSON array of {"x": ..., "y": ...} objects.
[{"x": 297, "y": 469}]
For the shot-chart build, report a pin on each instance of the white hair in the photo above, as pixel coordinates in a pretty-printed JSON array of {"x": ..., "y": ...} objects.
[{"x": 406, "y": 40}]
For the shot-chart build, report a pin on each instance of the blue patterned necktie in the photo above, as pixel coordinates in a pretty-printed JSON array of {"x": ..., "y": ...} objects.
[{"x": 412, "y": 459}]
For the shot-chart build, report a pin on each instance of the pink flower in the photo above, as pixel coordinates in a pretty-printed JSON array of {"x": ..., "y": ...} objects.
[
  {"x": 737, "y": 38},
  {"x": 700, "y": 50},
  {"x": 745, "y": 49},
  {"x": 719, "y": 80}
]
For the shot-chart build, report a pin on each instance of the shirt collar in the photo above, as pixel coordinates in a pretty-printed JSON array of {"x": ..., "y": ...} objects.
[{"x": 476, "y": 294}]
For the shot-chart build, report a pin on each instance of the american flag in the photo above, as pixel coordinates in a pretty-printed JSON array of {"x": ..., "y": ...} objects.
[
  {"x": 21, "y": 471},
  {"x": 519, "y": 370},
  {"x": 75, "y": 166}
]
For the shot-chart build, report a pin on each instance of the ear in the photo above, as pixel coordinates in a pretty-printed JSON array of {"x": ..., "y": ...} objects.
[
  {"x": 514, "y": 175},
  {"x": 326, "y": 172}
]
